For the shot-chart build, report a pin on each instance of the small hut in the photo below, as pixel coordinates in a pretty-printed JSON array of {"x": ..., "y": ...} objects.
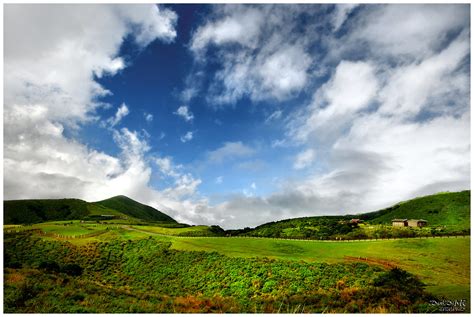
[
  {"x": 399, "y": 222},
  {"x": 417, "y": 223}
]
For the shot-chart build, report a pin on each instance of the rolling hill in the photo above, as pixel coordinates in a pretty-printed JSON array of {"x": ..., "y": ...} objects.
[
  {"x": 451, "y": 209},
  {"x": 443, "y": 209},
  {"x": 41, "y": 210}
]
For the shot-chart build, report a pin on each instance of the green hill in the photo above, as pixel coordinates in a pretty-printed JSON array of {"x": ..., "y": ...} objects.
[
  {"x": 447, "y": 209},
  {"x": 41, "y": 210},
  {"x": 443, "y": 209},
  {"x": 134, "y": 209}
]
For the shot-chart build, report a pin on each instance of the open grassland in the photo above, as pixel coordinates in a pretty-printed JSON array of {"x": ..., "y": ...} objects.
[
  {"x": 145, "y": 275},
  {"x": 194, "y": 230},
  {"x": 443, "y": 264}
]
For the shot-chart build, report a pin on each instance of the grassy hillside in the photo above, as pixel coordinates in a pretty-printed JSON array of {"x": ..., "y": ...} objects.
[
  {"x": 447, "y": 209},
  {"x": 43, "y": 210},
  {"x": 450, "y": 210},
  {"x": 134, "y": 209}
]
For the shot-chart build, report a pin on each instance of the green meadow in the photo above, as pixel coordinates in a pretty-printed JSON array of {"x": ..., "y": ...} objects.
[{"x": 443, "y": 271}]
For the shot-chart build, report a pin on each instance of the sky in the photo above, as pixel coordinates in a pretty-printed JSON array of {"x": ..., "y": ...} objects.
[{"x": 237, "y": 115}]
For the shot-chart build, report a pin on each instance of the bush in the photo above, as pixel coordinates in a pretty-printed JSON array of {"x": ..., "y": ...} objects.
[
  {"x": 49, "y": 266},
  {"x": 72, "y": 269}
]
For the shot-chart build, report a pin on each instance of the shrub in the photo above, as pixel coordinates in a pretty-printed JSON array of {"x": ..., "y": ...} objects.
[
  {"x": 49, "y": 266},
  {"x": 72, "y": 269}
]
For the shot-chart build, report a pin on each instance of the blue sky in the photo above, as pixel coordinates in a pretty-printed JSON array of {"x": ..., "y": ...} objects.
[{"x": 237, "y": 114}]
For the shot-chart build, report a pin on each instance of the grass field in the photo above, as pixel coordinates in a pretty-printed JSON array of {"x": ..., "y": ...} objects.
[
  {"x": 443, "y": 264},
  {"x": 173, "y": 231}
]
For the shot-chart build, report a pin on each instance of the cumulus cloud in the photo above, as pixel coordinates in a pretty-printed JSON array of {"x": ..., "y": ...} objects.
[
  {"x": 262, "y": 55},
  {"x": 52, "y": 55},
  {"x": 183, "y": 111}
]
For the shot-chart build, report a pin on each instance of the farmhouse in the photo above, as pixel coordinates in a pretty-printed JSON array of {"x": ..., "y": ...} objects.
[
  {"x": 417, "y": 223},
  {"x": 399, "y": 222},
  {"x": 357, "y": 221},
  {"x": 409, "y": 223}
]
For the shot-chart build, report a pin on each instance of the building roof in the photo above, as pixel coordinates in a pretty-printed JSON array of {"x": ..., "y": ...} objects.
[
  {"x": 399, "y": 220},
  {"x": 418, "y": 220}
]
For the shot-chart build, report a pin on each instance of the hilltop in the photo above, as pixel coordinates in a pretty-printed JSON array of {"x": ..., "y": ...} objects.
[{"x": 42, "y": 210}]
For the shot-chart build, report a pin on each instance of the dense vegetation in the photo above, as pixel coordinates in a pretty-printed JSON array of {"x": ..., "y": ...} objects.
[
  {"x": 145, "y": 275},
  {"x": 42, "y": 210}
]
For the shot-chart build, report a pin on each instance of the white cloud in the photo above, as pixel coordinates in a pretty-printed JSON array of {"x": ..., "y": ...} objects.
[
  {"x": 261, "y": 54},
  {"x": 187, "y": 137},
  {"x": 219, "y": 180},
  {"x": 241, "y": 24},
  {"x": 404, "y": 31},
  {"x": 62, "y": 49},
  {"x": 229, "y": 151},
  {"x": 183, "y": 111},
  {"x": 122, "y": 111},
  {"x": 304, "y": 159},
  {"x": 350, "y": 90},
  {"x": 429, "y": 84},
  {"x": 148, "y": 117}
]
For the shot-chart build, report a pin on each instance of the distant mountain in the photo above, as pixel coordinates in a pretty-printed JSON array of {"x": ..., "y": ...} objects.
[
  {"x": 443, "y": 209},
  {"x": 134, "y": 209},
  {"x": 41, "y": 210}
]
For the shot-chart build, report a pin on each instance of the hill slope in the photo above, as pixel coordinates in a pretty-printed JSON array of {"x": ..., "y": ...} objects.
[
  {"x": 452, "y": 209},
  {"x": 444, "y": 209},
  {"x": 134, "y": 209},
  {"x": 41, "y": 210}
]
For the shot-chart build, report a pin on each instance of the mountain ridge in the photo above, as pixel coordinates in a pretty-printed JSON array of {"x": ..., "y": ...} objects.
[{"x": 41, "y": 210}]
